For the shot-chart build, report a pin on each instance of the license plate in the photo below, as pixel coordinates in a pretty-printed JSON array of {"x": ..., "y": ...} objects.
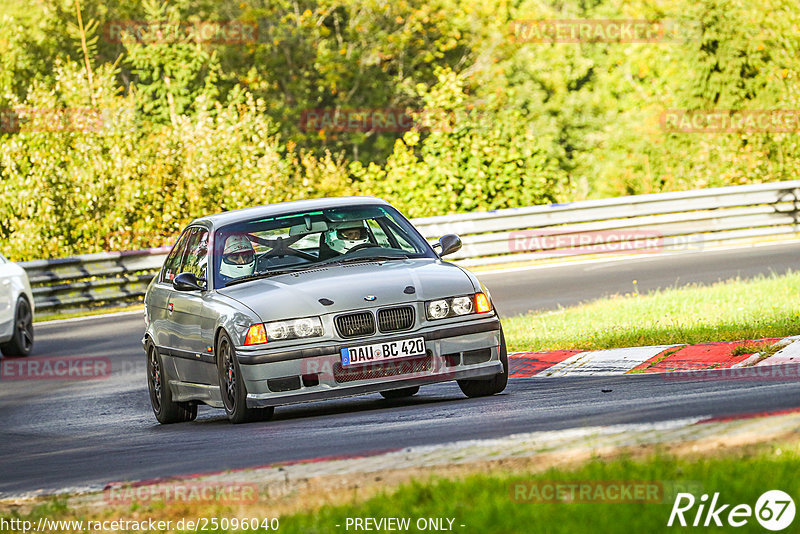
[{"x": 379, "y": 352}]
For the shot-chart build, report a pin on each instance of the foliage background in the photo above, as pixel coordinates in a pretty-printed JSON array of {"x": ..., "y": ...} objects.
[{"x": 190, "y": 127}]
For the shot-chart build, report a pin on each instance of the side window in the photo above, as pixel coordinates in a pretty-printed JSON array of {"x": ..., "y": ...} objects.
[
  {"x": 391, "y": 226},
  {"x": 380, "y": 235},
  {"x": 197, "y": 253},
  {"x": 405, "y": 245},
  {"x": 173, "y": 263}
]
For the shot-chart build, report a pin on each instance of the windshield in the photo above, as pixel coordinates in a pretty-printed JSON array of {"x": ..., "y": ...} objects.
[{"x": 300, "y": 240}]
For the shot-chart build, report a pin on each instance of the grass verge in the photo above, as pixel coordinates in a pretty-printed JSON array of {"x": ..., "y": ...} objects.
[
  {"x": 762, "y": 307},
  {"x": 504, "y": 501}
]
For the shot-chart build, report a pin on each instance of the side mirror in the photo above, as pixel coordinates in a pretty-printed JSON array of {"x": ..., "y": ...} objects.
[
  {"x": 188, "y": 282},
  {"x": 448, "y": 244}
]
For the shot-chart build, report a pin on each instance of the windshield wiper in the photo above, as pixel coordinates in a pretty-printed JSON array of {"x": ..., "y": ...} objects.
[
  {"x": 267, "y": 274},
  {"x": 367, "y": 259}
]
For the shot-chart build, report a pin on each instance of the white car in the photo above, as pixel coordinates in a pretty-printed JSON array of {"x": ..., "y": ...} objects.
[{"x": 16, "y": 310}]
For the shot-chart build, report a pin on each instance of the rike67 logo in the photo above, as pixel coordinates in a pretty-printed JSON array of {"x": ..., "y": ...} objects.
[{"x": 774, "y": 510}]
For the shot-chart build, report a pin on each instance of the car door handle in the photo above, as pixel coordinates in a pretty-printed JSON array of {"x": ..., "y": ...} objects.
[{"x": 170, "y": 307}]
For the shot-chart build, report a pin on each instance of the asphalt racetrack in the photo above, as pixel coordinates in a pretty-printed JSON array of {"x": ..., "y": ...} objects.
[{"x": 82, "y": 434}]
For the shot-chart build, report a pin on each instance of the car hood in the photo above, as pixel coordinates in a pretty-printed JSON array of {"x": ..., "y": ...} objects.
[{"x": 298, "y": 294}]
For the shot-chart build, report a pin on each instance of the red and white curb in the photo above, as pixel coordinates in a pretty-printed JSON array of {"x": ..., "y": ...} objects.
[{"x": 653, "y": 359}]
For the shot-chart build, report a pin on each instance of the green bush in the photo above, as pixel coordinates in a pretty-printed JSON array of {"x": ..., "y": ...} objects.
[
  {"x": 470, "y": 159},
  {"x": 192, "y": 127},
  {"x": 129, "y": 183}
]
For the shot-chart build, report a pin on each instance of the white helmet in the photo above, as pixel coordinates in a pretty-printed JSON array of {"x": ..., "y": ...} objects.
[
  {"x": 238, "y": 257},
  {"x": 345, "y": 236}
]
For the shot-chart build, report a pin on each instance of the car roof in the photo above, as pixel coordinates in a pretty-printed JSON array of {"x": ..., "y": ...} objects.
[{"x": 283, "y": 208}]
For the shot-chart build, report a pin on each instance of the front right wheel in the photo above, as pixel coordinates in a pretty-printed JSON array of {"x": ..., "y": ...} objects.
[
  {"x": 492, "y": 386},
  {"x": 165, "y": 409},
  {"x": 232, "y": 387}
]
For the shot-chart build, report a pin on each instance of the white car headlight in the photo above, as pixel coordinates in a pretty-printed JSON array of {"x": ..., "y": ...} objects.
[
  {"x": 462, "y": 305},
  {"x": 458, "y": 306},
  {"x": 277, "y": 330},
  {"x": 305, "y": 327},
  {"x": 438, "y": 309},
  {"x": 294, "y": 329}
]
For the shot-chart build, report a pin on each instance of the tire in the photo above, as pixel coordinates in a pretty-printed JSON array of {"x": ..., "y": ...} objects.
[
  {"x": 492, "y": 386},
  {"x": 165, "y": 409},
  {"x": 21, "y": 342},
  {"x": 232, "y": 387},
  {"x": 400, "y": 393}
]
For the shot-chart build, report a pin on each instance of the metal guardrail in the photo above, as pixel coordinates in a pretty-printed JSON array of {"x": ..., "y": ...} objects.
[
  {"x": 89, "y": 279},
  {"x": 642, "y": 223},
  {"x": 635, "y": 224}
]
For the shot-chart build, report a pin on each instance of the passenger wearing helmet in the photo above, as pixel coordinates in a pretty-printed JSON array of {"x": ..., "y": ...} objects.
[
  {"x": 346, "y": 236},
  {"x": 238, "y": 257}
]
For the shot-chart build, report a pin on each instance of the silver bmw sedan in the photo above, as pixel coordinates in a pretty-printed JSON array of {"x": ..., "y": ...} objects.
[{"x": 310, "y": 300}]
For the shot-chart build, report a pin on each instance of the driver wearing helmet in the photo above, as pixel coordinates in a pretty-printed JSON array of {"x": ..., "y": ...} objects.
[
  {"x": 238, "y": 257},
  {"x": 347, "y": 236}
]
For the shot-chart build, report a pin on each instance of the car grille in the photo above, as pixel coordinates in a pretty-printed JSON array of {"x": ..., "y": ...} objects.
[
  {"x": 396, "y": 319},
  {"x": 355, "y": 324},
  {"x": 382, "y": 370}
]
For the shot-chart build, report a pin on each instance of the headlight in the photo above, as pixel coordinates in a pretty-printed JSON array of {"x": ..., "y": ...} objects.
[
  {"x": 458, "y": 306},
  {"x": 283, "y": 330},
  {"x": 438, "y": 309},
  {"x": 306, "y": 327},
  {"x": 462, "y": 305},
  {"x": 277, "y": 330}
]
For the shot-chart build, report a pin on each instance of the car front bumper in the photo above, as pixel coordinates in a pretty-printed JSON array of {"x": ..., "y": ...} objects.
[{"x": 465, "y": 350}]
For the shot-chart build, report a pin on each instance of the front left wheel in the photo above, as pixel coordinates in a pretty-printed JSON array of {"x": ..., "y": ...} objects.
[
  {"x": 165, "y": 409},
  {"x": 492, "y": 386},
  {"x": 21, "y": 342},
  {"x": 232, "y": 386}
]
